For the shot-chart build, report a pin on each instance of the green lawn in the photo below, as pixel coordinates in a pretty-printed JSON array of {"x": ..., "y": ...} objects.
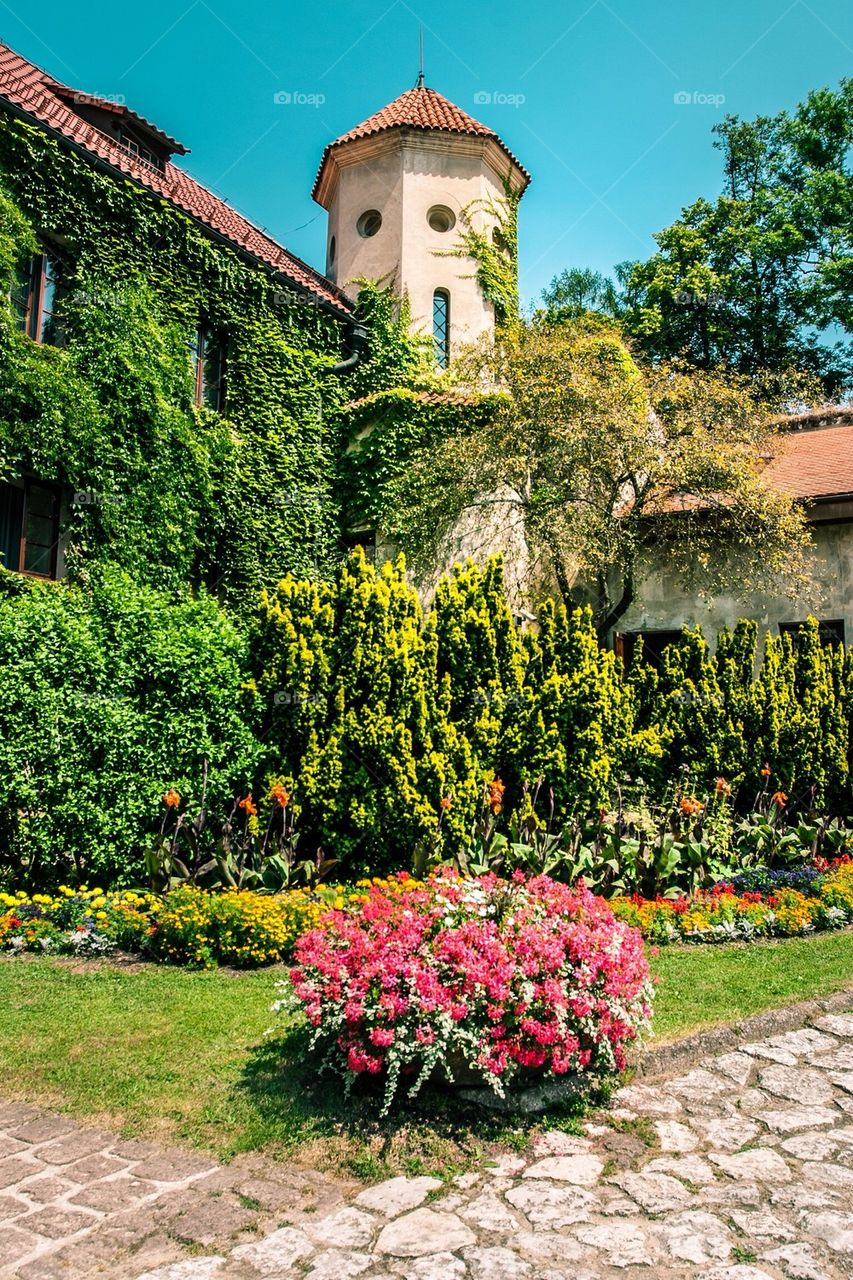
[
  {"x": 178, "y": 1055},
  {"x": 700, "y": 986}
]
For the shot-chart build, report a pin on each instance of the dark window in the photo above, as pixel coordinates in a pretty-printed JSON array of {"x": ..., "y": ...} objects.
[
  {"x": 208, "y": 357},
  {"x": 654, "y": 643},
  {"x": 365, "y": 538},
  {"x": 29, "y": 528},
  {"x": 830, "y": 632},
  {"x": 140, "y": 151},
  {"x": 35, "y": 293},
  {"x": 441, "y": 327}
]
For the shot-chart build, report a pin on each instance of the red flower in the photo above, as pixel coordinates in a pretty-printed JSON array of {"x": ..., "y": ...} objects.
[
  {"x": 689, "y": 806},
  {"x": 496, "y": 795},
  {"x": 446, "y": 802},
  {"x": 248, "y": 806},
  {"x": 171, "y": 798},
  {"x": 765, "y": 770},
  {"x": 280, "y": 795},
  {"x": 779, "y": 799}
]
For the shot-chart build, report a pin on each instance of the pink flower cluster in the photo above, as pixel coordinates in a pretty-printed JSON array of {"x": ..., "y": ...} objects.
[{"x": 504, "y": 975}]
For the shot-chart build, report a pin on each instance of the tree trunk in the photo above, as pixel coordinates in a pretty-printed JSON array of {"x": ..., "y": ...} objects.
[{"x": 613, "y": 612}]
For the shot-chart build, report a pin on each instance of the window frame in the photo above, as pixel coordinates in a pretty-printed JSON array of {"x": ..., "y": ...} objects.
[
  {"x": 625, "y": 644},
  {"x": 442, "y": 343},
  {"x": 32, "y": 318},
  {"x": 27, "y": 484},
  {"x": 205, "y": 334}
]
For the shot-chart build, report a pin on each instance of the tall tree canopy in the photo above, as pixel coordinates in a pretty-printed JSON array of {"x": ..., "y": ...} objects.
[
  {"x": 762, "y": 277},
  {"x": 605, "y": 461}
]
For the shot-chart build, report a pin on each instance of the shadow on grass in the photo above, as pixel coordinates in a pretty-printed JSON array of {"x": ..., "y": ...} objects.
[{"x": 436, "y": 1132}]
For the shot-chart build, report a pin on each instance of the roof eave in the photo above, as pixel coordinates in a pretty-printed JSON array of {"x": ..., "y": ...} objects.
[
  {"x": 344, "y": 313},
  {"x": 327, "y": 172}
]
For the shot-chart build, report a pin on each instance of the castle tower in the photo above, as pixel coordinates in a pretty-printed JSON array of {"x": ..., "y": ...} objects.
[{"x": 395, "y": 188}]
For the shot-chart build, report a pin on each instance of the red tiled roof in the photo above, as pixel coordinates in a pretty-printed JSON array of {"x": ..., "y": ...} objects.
[
  {"x": 32, "y": 91},
  {"x": 71, "y": 96},
  {"x": 814, "y": 463},
  {"x": 418, "y": 108}
]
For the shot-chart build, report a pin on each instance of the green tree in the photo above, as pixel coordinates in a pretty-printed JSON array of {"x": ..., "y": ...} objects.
[
  {"x": 577, "y": 290},
  {"x": 607, "y": 463},
  {"x": 762, "y": 277}
]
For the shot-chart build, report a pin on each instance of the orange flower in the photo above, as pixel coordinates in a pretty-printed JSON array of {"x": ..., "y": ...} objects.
[
  {"x": 723, "y": 788},
  {"x": 689, "y": 806},
  {"x": 248, "y": 806},
  {"x": 765, "y": 770},
  {"x": 446, "y": 802},
  {"x": 496, "y": 795},
  {"x": 280, "y": 795},
  {"x": 779, "y": 799},
  {"x": 171, "y": 798}
]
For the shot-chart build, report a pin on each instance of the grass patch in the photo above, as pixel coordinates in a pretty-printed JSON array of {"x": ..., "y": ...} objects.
[
  {"x": 176, "y": 1055},
  {"x": 703, "y": 985}
]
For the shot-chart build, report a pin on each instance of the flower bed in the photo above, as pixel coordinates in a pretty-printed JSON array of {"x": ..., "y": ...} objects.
[
  {"x": 774, "y": 908},
  {"x": 248, "y": 929},
  {"x": 187, "y": 926},
  {"x": 506, "y": 977}
]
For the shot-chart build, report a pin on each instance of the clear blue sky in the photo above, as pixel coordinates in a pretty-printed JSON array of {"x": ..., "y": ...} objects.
[{"x": 582, "y": 91}]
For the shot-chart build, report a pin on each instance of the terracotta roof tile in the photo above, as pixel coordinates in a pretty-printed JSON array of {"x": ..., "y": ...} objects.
[
  {"x": 32, "y": 91},
  {"x": 418, "y": 108},
  {"x": 814, "y": 463}
]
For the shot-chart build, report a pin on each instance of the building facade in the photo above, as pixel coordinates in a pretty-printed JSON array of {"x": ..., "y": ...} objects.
[
  {"x": 164, "y": 368},
  {"x": 814, "y": 465}
]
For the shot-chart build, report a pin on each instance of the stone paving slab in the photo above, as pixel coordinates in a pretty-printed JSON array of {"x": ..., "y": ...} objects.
[
  {"x": 77, "y": 1202},
  {"x": 738, "y": 1168}
]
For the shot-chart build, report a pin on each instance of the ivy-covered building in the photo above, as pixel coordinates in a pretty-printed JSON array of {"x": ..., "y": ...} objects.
[{"x": 164, "y": 393}]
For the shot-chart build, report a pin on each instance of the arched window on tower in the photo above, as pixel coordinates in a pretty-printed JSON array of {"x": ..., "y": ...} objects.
[{"x": 441, "y": 327}]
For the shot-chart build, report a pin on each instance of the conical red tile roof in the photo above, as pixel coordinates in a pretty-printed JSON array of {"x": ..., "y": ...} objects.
[{"x": 419, "y": 108}]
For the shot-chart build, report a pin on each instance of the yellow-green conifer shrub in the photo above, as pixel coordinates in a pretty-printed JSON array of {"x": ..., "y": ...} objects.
[
  {"x": 576, "y": 730},
  {"x": 349, "y": 701},
  {"x": 482, "y": 656},
  {"x": 802, "y": 693}
]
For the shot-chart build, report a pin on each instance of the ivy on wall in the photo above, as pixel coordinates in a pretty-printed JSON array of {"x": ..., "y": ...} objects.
[
  {"x": 494, "y": 251},
  {"x": 176, "y": 493},
  {"x": 382, "y": 432}
]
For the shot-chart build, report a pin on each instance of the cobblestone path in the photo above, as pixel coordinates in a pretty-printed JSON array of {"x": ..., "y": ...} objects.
[{"x": 740, "y": 1169}]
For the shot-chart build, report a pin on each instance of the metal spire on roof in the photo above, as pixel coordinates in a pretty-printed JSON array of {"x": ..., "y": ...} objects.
[{"x": 420, "y": 84}]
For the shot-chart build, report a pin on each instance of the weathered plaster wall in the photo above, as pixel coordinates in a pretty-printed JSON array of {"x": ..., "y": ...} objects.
[{"x": 664, "y": 604}]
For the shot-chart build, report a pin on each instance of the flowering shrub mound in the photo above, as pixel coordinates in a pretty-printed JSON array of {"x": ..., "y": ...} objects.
[
  {"x": 823, "y": 900},
  {"x": 500, "y": 976}
]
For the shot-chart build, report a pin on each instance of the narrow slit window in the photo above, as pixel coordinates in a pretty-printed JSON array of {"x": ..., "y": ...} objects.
[
  {"x": 207, "y": 350},
  {"x": 441, "y": 327}
]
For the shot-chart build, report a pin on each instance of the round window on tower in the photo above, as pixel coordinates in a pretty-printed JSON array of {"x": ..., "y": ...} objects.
[
  {"x": 333, "y": 248},
  {"x": 369, "y": 223},
  {"x": 440, "y": 218}
]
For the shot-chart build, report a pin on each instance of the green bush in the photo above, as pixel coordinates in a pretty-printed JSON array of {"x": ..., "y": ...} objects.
[
  {"x": 380, "y": 714},
  {"x": 731, "y": 713},
  {"x": 110, "y": 693}
]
